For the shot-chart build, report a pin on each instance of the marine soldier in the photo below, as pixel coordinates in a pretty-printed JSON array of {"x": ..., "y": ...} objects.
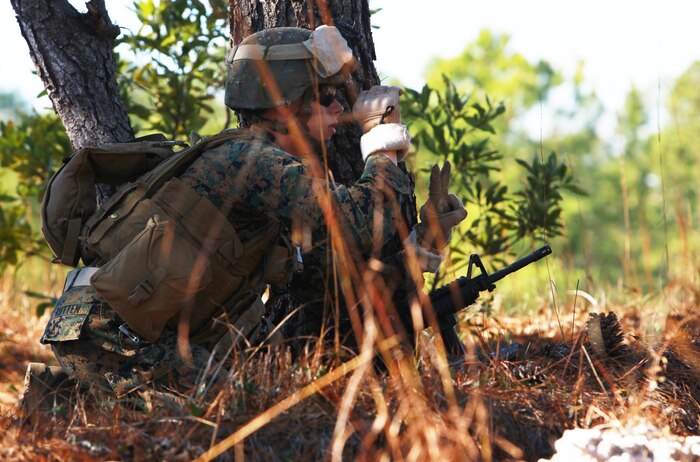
[
  {"x": 312, "y": 305},
  {"x": 190, "y": 283},
  {"x": 263, "y": 186}
]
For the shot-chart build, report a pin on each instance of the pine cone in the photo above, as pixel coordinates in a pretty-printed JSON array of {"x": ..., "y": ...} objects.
[
  {"x": 528, "y": 374},
  {"x": 605, "y": 335},
  {"x": 556, "y": 350}
]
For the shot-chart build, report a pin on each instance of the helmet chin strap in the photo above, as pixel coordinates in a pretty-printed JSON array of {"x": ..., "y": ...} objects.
[
  {"x": 302, "y": 113},
  {"x": 277, "y": 125}
]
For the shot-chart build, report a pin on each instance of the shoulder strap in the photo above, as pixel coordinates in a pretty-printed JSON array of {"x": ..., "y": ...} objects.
[{"x": 178, "y": 163}]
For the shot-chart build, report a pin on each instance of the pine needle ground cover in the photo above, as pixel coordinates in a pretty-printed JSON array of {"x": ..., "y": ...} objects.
[{"x": 524, "y": 382}]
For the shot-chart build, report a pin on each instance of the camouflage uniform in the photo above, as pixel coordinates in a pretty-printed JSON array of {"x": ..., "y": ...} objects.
[
  {"x": 312, "y": 304},
  {"x": 257, "y": 185},
  {"x": 85, "y": 337}
]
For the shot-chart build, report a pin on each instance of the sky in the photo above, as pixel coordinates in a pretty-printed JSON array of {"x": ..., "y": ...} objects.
[{"x": 622, "y": 42}]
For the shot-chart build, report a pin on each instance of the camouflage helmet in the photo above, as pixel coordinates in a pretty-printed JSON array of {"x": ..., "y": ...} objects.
[{"x": 276, "y": 66}]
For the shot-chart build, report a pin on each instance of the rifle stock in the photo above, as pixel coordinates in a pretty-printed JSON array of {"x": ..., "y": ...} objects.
[{"x": 460, "y": 293}]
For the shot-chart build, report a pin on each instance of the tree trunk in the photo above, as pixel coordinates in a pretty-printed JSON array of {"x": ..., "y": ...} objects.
[
  {"x": 73, "y": 56},
  {"x": 352, "y": 17}
]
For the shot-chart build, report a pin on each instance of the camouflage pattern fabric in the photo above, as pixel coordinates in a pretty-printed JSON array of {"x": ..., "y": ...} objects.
[
  {"x": 254, "y": 183},
  {"x": 84, "y": 334},
  {"x": 312, "y": 304}
]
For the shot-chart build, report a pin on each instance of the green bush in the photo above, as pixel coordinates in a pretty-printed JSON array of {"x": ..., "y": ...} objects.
[{"x": 447, "y": 125}]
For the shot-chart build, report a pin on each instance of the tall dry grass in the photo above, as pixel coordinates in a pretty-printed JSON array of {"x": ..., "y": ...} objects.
[
  {"x": 533, "y": 370},
  {"x": 500, "y": 403}
]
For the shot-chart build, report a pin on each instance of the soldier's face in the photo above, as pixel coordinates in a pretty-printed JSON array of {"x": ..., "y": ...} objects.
[{"x": 324, "y": 119}]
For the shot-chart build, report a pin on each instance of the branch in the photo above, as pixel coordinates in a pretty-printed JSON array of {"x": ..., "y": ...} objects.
[{"x": 72, "y": 53}]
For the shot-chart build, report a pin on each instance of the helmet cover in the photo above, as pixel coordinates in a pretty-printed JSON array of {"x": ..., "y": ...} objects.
[{"x": 277, "y": 66}]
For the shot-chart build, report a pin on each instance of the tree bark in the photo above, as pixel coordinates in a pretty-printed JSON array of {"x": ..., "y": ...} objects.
[{"x": 73, "y": 56}]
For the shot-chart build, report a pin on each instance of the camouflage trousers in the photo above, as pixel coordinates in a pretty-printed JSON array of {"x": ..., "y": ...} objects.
[{"x": 85, "y": 335}]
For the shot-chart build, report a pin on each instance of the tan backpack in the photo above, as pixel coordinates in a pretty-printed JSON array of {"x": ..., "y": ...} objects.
[
  {"x": 162, "y": 248},
  {"x": 70, "y": 197}
]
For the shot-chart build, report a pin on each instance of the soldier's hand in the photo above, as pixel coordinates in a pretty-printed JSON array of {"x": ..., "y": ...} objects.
[
  {"x": 379, "y": 104},
  {"x": 441, "y": 212},
  {"x": 377, "y": 112}
]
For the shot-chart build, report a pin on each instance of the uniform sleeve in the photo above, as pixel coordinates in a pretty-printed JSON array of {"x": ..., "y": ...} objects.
[{"x": 366, "y": 211}]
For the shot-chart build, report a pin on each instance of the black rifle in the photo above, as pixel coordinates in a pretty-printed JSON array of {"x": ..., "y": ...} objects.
[{"x": 460, "y": 293}]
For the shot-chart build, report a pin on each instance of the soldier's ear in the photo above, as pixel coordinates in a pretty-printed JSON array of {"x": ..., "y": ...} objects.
[{"x": 283, "y": 111}]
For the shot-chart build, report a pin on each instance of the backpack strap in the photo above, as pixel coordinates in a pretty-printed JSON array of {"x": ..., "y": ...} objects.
[
  {"x": 123, "y": 202},
  {"x": 103, "y": 220},
  {"x": 178, "y": 163},
  {"x": 70, "y": 256}
]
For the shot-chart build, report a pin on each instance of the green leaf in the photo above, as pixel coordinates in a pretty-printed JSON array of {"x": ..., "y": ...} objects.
[{"x": 42, "y": 307}]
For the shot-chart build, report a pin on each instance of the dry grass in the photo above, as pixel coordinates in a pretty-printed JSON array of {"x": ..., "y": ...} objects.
[{"x": 524, "y": 382}]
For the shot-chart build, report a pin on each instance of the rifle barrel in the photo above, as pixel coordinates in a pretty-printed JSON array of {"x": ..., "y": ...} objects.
[
  {"x": 536, "y": 254},
  {"x": 462, "y": 292}
]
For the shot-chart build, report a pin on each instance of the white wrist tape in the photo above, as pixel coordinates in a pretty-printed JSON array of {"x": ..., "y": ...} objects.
[{"x": 386, "y": 137}]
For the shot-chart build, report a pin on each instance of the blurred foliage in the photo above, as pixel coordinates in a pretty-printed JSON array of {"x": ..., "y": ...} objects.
[
  {"x": 16, "y": 234},
  {"x": 44, "y": 301},
  {"x": 538, "y": 205},
  {"x": 489, "y": 66},
  {"x": 179, "y": 65},
  {"x": 10, "y": 103},
  {"x": 31, "y": 148}
]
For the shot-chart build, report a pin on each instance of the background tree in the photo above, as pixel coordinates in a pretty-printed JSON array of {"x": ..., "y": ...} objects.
[{"x": 73, "y": 56}]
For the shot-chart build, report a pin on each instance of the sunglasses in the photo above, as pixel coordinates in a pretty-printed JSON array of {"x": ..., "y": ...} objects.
[{"x": 326, "y": 95}]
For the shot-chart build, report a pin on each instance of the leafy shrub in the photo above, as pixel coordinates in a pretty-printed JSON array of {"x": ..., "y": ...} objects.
[
  {"x": 448, "y": 125},
  {"x": 31, "y": 148}
]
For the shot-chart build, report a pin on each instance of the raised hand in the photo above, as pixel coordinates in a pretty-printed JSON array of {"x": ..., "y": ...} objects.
[
  {"x": 377, "y": 112},
  {"x": 441, "y": 212},
  {"x": 379, "y": 104}
]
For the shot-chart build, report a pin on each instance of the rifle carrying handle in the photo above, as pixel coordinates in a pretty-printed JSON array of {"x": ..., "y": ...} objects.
[{"x": 452, "y": 297}]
